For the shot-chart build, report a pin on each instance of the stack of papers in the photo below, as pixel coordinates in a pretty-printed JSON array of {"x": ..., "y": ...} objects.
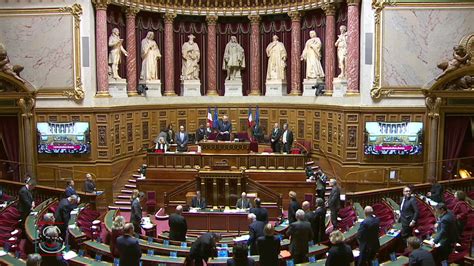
[
  {"x": 2, "y": 253},
  {"x": 242, "y": 238},
  {"x": 69, "y": 255}
]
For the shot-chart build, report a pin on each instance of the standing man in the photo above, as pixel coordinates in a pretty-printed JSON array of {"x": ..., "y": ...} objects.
[
  {"x": 300, "y": 234},
  {"x": 243, "y": 202},
  {"x": 198, "y": 201},
  {"x": 63, "y": 212},
  {"x": 25, "y": 201},
  {"x": 255, "y": 231},
  {"x": 260, "y": 213},
  {"x": 321, "y": 180},
  {"x": 294, "y": 206},
  {"x": 89, "y": 185},
  {"x": 287, "y": 139},
  {"x": 70, "y": 190},
  {"x": 319, "y": 226},
  {"x": 136, "y": 211},
  {"x": 446, "y": 232},
  {"x": 368, "y": 236},
  {"x": 201, "y": 133},
  {"x": 408, "y": 213},
  {"x": 128, "y": 247},
  {"x": 275, "y": 138},
  {"x": 204, "y": 248},
  {"x": 224, "y": 129},
  {"x": 268, "y": 246},
  {"x": 436, "y": 192},
  {"x": 334, "y": 202},
  {"x": 182, "y": 140},
  {"x": 178, "y": 225}
]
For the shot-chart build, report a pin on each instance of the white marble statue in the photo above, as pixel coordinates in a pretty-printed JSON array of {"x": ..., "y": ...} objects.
[
  {"x": 115, "y": 55},
  {"x": 234, "y": 59},
  {"x": 150, "y": 56},
  {"x": 191, "y": 56},
  {"x": 276, "y": 54},
  {"x": 312, "y": 55},
  {"x": 341, "y": 45}
]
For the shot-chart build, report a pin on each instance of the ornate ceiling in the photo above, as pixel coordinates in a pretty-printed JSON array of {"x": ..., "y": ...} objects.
[{"x": 222, "y": 7}]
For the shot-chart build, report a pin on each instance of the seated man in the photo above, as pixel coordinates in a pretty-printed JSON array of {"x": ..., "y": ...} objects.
[
  {"x": 224, "y": 129},
  {"x": 201, "y": 133},
  {"x": 89, "y": 185},
  {"x": 418, "y": 256},
  {"x": 161, "y": 145},
  {"x": 70, "y": 190},
  {"x": 198, "y": 201},
  {"x": 243, "y": 202}
]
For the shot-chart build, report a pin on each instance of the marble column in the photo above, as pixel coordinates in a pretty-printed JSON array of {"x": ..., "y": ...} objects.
[
  {"x": 295, "y": 52},
  {"x": 211, "y": 56},
  {"x": 329, "y": 46},
  {"x": 102, "y": 63},
  {"x": 169, "y": 54},
  {"x": 255, "y": 86},
  {"x": 131, "y": 59},
  {"x": 353, "y": 59}
]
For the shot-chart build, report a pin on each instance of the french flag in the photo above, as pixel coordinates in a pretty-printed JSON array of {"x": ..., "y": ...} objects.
[
  {"x": 209, "y": 117},
  {"x": 250, "y": 119}
]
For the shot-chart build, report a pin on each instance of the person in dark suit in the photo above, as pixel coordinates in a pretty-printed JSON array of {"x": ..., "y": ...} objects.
[
  {"x": 89, "y": 185},
  {"x": 136, "y": 211},
  {"x": 70, "y": 190},
  {"x": 308, "y": 214},
  {"x": 128, "y": 247},
  {"x": 275, "y": 138},
  {"x": 240, "y": 258},
  {"x": 436, "y": 191},
  {"x": 340, "y": 254},
  {"x": 300, "y": 234},
  {"x": 257, "y": 133},
  {"x": 287, "y": 138},
  {"x": 201, "y": 133},
  {"x": 446, "y": 232},
  {"x": 50, "y": 248},
  {"x": 294, "y": 206},
  {"x": 334, "y": 202},
  {"x": 268, "y": 246},
  {"x": 182, "y": 140},
  {"x": 224, "y": 129},
  {"x": 321, "y": 180},
  {"x": 178, "y": 225},
  {"x": 255, "y": 231},
  {"x": 243, "y": 202},
  {"x": 63, "y": 212},
  {"x": 204, "y": 248},
  {"x": 25, "y": 201},
  {"x": 418, "y": 256},
  {"x": 319, "y": 221},
  {"x": 170, "y": 136},
  {"x": 368, "y": 236},
  {"x": 198, "y": 201},
  {"x": 408, "y": 213},
  {"x": 260, "y": 213}
]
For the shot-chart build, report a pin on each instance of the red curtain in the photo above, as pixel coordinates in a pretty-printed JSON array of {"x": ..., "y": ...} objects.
[
  {"x": 227, "y": 27},
  {"x": 116, "y": 19},
  {"x": 279, "y": 25},
  {"x": 11, "y": 141},
  {"x": 455, "y": 130},
  {"x": 183, "y": 26},
  {"x": 145, "y": 22}
]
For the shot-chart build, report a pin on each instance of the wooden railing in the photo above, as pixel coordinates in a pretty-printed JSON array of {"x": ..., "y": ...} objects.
[
  {"x": 180, "y": 190},
  {"x": 264, "y": 192},
  {"x": 370, "y": 197},
  {"x": 42, "y": 193}
]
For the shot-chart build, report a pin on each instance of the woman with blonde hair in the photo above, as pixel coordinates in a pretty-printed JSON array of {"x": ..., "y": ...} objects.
[
  {"x": 340, "y": 254},
  {"x": 117, "y": 230}
]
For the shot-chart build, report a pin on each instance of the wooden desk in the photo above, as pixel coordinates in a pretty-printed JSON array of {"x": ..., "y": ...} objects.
[
  {"x": 227, "y": 147},
  {"x": 31, "y": 221},
  {"x": 208, "y": 220},
  {"x": 217, "y": 186}
]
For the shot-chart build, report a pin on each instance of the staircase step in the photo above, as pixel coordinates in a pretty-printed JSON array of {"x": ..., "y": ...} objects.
[
  {"x": 131, "y": 186},
  {"x": 132, "y": 181},
  {"x": 122, "y": 208},
  {"x": 126, "y": 191},
  {"x": 124, "y": 197},
  {"x": 137, "y": 175},
  {"x": 122, "y": 202}
]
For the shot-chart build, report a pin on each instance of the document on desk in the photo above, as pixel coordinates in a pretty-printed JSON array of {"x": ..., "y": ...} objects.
[{"x": 242, "y": 238}]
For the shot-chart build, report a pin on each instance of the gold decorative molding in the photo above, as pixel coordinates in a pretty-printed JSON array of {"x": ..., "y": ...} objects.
[
  {"x": 433, "y": 104},
  {"x": 211, "y": 19},
  {"x": 26, "y": 106},
  {"x": 131, "y": 11},
  {"x": 77, "y": 94},
  {"x": 101, "y": 4},
  {"x": 169, "y": 17},
  {"x": 295, "y": 15},
  {"x": 378, "y": 6},
  {"x": 353, "y": 2},
  {"x": 329, "y": 9},
  {"x": 255, "y": 19}
]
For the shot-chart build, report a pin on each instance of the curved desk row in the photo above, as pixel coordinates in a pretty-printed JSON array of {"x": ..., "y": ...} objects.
[{"x": 31, "y": 222}]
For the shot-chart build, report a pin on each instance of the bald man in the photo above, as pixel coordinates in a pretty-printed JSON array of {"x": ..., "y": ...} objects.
[
  {"x": 243, "y": 202},
  {"x": 224, "y": 129},
  {"x": 178, "y": 225},
  {"x": 368, "y": 236}
]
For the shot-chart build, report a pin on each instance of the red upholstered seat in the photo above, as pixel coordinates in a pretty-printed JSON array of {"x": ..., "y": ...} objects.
[
  {"x": 269, "y": 150},
  {"x": 212, "y": 136},
  {"x": 151, "y": 201},
  {"x": 295, "y": 151}
]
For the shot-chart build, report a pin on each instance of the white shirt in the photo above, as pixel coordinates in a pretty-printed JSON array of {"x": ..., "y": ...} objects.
[
  {"x": 181, "y": 135},
  {"x": 284, "y": 136}
]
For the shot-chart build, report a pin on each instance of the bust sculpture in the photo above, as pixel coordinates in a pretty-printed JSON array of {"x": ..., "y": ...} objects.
[
  {"x": 190, "y": 62},
  {"x": 115, "y": 54},
  {"x": 341, "y": 45},
  {"x": 234, "y": 59},
  {"x": 150, "y": 56},
  {"x": 276, "y": 54},
  {"x": 312, "y": 54}
]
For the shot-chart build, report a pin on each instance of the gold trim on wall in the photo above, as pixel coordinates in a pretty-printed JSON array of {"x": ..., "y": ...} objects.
[{"x": 76, "y": 92}]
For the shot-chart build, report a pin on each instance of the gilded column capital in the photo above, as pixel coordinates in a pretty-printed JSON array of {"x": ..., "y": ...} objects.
[
  {"x": 169, "y": 17},
  {"x": 101, "y": 4},
  {"x": 26, "y": 106},
  {"x": 131, "y": 11},
  {"x": 254, "y": 19},
  {"x": 295, "y": 15},
  {"x": 211, "y": 19},
  {"x": 353, "y": 2},
  {"x": 329, "y": 9},
  {"x": 433, "y": 104}
]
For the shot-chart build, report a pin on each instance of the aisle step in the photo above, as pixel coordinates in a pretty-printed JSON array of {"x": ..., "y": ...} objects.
[
  {"x": 126, "y": 191},
  {"x": 131, "y": 186},
  {"x": 124, "y": 197},
  {"x": 137, "y": 175},
  {"x": 122, "y": 202},
  {"x": 132, "y": 181},
  {"x": 122, "y": 208}
]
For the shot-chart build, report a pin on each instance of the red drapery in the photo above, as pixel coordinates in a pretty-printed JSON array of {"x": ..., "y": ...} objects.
[
  {"x": 455, "y": 130},
  {"x": 116, "y": 19},
  {"x": 11, "y": 141}
]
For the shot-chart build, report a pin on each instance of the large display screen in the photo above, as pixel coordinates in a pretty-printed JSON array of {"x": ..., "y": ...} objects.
[
  {"x": 70, "y": 138},
  {"x": 393, "y": 138}
]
